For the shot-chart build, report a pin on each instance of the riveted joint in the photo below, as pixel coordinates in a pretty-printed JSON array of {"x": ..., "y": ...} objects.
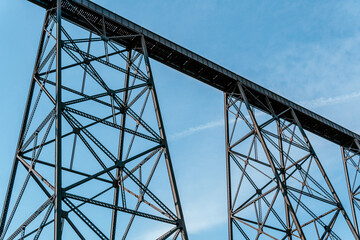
[
  {"x": 141, "y": 198},
  {"x": 87, "y": 61},
  {"x": 61, "y": 43},
  {"x": 64, "y": 214},
  {"x": 37, "y": 75},
  {"x": 76, "y": 130},
  {"x": 115, "y": 183},
  {"x": 104, "y": 38},
  {"x": 180, "y": 224},
  {"x": 163, "y": 143}
]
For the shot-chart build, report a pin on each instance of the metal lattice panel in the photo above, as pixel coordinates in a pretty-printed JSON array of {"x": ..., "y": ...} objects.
[
  {"x": 277, "y": 187},
  {"x": 351, "y": 161},
  {"x": 101, "y": 117}
]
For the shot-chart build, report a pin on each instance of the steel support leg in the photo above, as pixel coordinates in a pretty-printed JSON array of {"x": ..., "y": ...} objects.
[
  {"x": 58, "y": 127},
  {"x": 175, "y": 193},
  {"x": 23, "y": 127},
  {"x": 121, "y": 151},
  {"x": 228, "y": 170}
]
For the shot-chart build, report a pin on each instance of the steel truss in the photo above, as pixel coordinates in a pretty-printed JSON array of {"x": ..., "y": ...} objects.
[
  {"x": 277, "y": 187},
  {"x": 351, "y": 161},
  {"x": 92, "y": 160}
]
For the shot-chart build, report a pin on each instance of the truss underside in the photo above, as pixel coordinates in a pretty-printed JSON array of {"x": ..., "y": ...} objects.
[{"x": 116, "y": 178}]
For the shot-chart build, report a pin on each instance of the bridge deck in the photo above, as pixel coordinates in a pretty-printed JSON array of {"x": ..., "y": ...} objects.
[{"x": 194, "y": 65}]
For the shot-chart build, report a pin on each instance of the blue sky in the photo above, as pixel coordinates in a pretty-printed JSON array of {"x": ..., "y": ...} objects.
[{"x": 307, "y": 51}]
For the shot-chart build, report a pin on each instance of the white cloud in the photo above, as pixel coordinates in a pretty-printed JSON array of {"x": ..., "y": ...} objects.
[
  {"x": 315, "y": 103},
  {"x": 193, "y": 130},
  {"x": 315, "y": 69},
  {"x": 321, "y": 102}
]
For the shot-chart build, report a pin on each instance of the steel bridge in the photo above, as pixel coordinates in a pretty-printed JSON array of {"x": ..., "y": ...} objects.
[{"x": 288, "y": 196}]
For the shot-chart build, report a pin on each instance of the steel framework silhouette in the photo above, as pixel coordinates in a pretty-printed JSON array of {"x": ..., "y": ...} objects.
[
  {"x": 106, "y": 129},
  {"x": 92, "y": 160},
  {"x": 291, "y": 195}
]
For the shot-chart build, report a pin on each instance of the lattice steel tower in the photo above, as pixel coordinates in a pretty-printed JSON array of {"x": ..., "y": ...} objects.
[
  {"x": 92, "y": 160},
  {"x": 277, "y": 186}
]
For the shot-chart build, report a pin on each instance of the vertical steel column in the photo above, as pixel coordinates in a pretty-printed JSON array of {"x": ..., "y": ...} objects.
[
  {"x": 283, "y": 176},
  {"x": 228, "y": 168},
  {"x": 23, "y": 126},
  {"x": 58, "y": 114},
  {"x": 121, "y": 148},
  {"x": 181, "y": 223}
]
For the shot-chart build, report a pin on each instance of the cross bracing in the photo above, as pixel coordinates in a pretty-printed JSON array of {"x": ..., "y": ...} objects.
[
  {"x": 113, "y": 145},
  {"x": 277, "y": 186},
  {"x": 93, "y": 143}
]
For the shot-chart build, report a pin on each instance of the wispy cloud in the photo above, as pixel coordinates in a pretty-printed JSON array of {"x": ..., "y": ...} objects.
[
  {"x": 193, "y": 130},
  {"x": 315, "y": 103},
  {"x": 321, "y": 102}
]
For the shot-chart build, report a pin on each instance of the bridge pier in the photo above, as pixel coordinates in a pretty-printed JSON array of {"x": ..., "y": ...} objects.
[
  {"x": 277, "y": 186},
  {"x": 92, "y": 143},
  {"x": 351, "y": 160}
]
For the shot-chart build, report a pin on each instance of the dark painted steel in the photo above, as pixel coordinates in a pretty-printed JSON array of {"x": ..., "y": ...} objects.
[
  {"x": 281, "y": 173},
  {"x": 116, "y": 29},
  {"x": 350, "y": 193},
  {"x": 332, "y": 189},
  {"x": 228, "y": 168},
  {"x": 351, "y": 162},
  {"x": 121, "y": 150},
  {"x": 29, "y": 149},
  {"x": 58, "y": 129}
]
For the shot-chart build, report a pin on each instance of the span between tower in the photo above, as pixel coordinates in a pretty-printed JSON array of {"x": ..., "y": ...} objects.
[
  {"x": 270, "y": 152},
  {"x": 198, "y": 67}
]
